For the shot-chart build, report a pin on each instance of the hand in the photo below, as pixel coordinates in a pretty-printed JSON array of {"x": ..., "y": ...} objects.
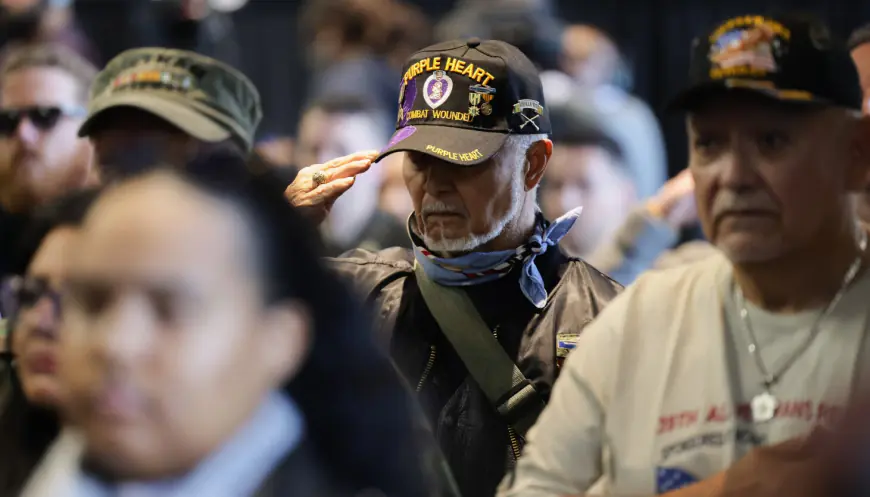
[
  {"x": 315, "y": 199},
  {"x": 675, "y": 201}
]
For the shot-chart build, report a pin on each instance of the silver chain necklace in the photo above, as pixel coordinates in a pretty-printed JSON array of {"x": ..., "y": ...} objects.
[{"x": 764, "y": 405}]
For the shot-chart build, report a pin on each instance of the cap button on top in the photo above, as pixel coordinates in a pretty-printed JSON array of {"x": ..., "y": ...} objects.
[{"x": 473, "y": 42}]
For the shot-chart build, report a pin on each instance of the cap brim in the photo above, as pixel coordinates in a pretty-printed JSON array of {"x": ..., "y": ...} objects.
[
  {"x": 696, "y": 96},
  {"x": 460, "y": 146},
  {"x": 176, "y": 113}
]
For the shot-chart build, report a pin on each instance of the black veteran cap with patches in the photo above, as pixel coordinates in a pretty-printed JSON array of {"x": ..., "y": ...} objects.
[
  {"x": 205, "y": 98},
  {"x": 791, "y": 59},
  {"x": 459, "y": 100}
]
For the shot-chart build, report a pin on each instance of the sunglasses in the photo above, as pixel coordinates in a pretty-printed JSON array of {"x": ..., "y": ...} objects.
[
  {"x": 20, "y": 294},
  {"x": 43, "y": 118}
]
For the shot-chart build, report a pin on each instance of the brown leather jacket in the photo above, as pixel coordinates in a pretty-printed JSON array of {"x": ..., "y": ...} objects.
[{"x": 473, "y": 438}]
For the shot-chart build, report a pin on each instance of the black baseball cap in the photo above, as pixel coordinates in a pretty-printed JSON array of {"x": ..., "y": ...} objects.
[
  {"x": 793, "y": 59},
  {"x": 460, "y": 100}
]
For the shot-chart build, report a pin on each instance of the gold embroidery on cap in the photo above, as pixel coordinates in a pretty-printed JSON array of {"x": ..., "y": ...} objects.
[
  {"x": 747, "y": 46},
  {"x": 466, "y": 157},
  {"x": 450, "y": 65}
]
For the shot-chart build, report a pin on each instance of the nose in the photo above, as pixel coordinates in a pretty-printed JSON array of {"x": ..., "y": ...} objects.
[
  {"x": 739, "y": 166},
  {"x": 438, "y": 178},
  {"x": 27, "y": 132},
  {"x": 125, "y": 332}
]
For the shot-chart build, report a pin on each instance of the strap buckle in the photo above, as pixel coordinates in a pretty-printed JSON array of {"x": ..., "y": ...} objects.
[{"x": 521, "y": 409}]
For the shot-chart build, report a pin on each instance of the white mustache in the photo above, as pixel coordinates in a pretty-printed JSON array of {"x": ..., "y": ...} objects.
[{"x": 439, "y": 208}]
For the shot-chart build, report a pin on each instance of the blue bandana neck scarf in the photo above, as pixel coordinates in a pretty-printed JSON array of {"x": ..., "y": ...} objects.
[{"x": 481, "y": 267}]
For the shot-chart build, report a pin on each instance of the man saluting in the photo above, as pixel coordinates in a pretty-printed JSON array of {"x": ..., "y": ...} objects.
[{"x": 478, "y": 316}]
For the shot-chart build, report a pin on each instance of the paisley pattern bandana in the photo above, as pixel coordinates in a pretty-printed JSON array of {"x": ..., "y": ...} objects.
[{"x": 481, "y": 267}]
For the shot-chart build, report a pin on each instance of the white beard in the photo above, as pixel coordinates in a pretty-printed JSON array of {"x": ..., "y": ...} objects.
[{"x": 472, "y": 241}]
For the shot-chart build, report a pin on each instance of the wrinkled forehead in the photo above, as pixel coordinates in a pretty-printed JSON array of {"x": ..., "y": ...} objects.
[{"x": 728, "y": 108}]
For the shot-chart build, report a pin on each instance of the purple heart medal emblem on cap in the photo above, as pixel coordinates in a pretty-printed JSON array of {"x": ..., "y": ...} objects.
[{"x": 437, "y": 88}]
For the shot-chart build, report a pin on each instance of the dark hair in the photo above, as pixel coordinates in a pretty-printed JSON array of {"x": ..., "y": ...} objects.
[
  {"x": 385, "y": 28},
  {"x": 576, "y": 126},
  {"x": 859, "y": 37},
  {"x": 356, "y": 409},
  {"x": 67, "y": 211},
  {"x": 27, "y": 430}
]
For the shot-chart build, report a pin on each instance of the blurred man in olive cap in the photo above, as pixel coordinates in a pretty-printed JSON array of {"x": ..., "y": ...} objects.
[{"x": 169, "y": 105}]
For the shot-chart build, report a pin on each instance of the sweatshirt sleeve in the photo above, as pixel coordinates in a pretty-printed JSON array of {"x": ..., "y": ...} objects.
[
  {"x": 564, "y": 451},
  {"x": 634, "y": 248}
]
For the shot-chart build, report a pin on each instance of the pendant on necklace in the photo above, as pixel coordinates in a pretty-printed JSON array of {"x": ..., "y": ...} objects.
[{"x": 763, "y": 407}]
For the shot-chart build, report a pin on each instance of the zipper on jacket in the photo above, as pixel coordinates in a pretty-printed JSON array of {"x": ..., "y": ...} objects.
[
  {"x": 427, "y": 369},
  {"x": 512, "y": 435},
  {"x": 515, "y": 443}
]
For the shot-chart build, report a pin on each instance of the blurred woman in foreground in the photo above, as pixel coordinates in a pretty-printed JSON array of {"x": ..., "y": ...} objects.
[
  {"x": 206, "y": 351},
  {"x": 29, "y": 387}
]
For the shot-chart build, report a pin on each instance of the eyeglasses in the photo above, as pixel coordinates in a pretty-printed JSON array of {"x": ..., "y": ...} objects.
[
  {"x": 20, "y": 294},
  {"x": 44, "y": 118}
]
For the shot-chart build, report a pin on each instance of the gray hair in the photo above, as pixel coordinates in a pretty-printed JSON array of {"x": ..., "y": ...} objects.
[{"x": 516, "y": 148}]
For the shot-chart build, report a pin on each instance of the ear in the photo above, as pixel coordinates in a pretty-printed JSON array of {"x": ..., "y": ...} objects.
[
  {"x": 285, "y": 340},
  {"x": 86, "y": 156},
  {"x": 858, "y": 172},
  {"x": 537, "y": 158}
]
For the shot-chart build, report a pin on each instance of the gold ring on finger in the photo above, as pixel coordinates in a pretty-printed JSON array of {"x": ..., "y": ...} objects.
[{"x": 318, "y": 178}]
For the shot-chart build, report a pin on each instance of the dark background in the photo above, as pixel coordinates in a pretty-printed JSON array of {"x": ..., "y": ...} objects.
[{"x": 654, "y": 35}]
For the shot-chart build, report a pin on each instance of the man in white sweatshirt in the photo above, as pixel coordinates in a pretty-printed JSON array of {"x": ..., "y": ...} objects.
[{"x": 693, "y": 367}]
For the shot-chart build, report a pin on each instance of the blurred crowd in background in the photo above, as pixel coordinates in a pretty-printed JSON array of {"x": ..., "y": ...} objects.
[
  {"x": 327, "y": 75},
  {"x": 337, "y": 95}
]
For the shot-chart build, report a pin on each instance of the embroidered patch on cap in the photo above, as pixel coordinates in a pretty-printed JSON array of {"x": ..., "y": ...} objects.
[
  {"x": 527, "y": 104},
  {"x": 747, "y": 46},
  {"x": 153, "y": 79},
  {"x": 479, "y": 100},
  {"x": 437, "y": 89}
]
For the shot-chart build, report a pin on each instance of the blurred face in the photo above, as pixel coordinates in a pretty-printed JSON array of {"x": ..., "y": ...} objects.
[
  {"x": 41, "y": 156},
  {"x": 394, "y": 196},
  {"x": 126, "y": 133},
  {"x": 168, "y": 345},
  {"x": 16, "y": 6},
  {"x": 861, "y": 57},
  {"x": 459, "y": 209},
  {"x": 770, "y": 179},
  {"x": 323, "y": 137},
  {"x": 588, "y": 55},
  {"x": 591, "y": 177},
  {"x": 314, "y": 138},
  {"x": 35, "y": 337}
]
